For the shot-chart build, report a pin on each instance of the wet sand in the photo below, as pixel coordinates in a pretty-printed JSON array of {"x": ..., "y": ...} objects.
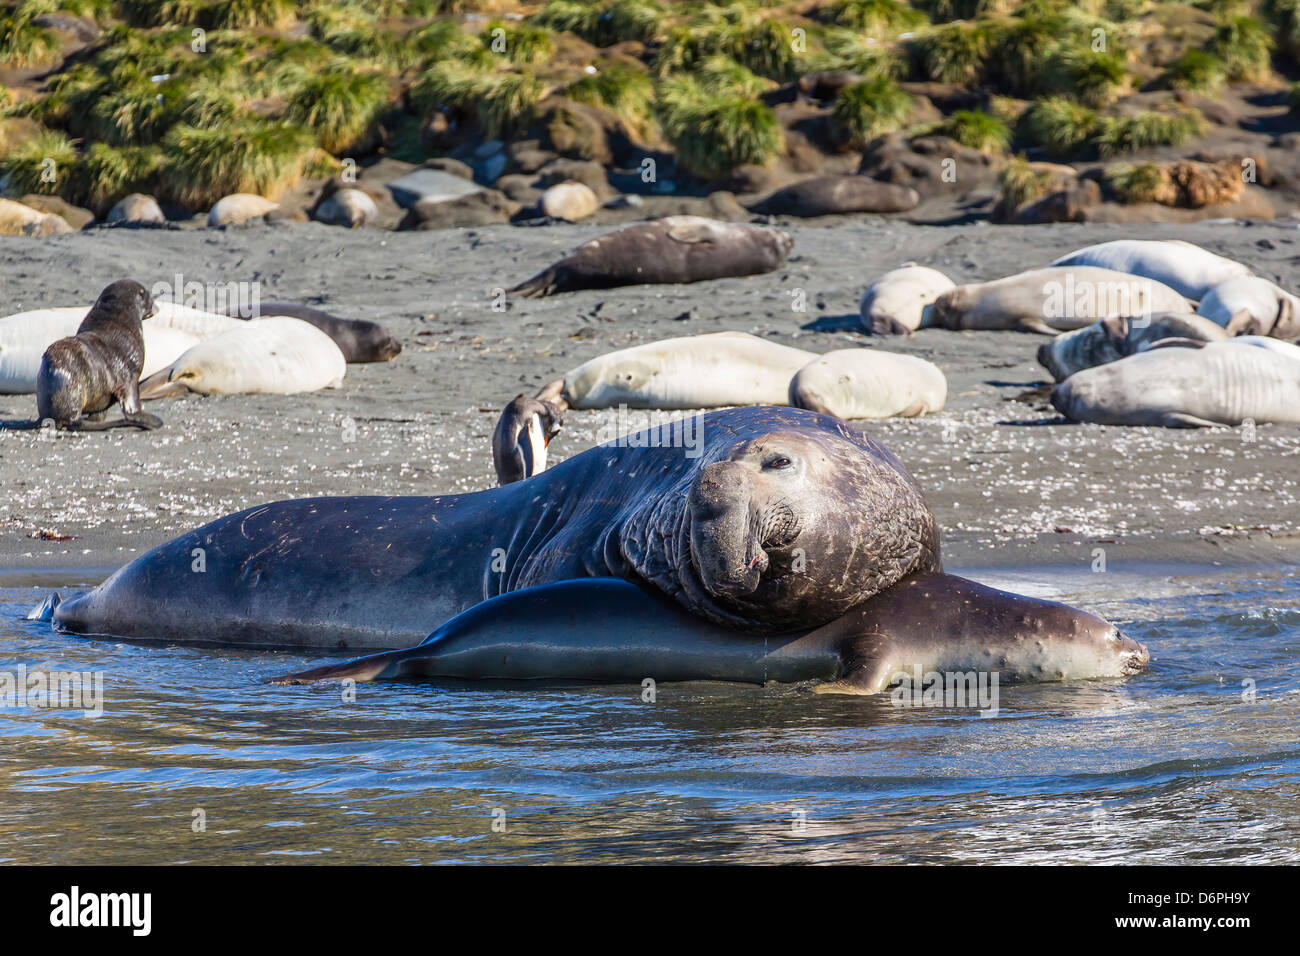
[{"x": 1011, "y": 484}]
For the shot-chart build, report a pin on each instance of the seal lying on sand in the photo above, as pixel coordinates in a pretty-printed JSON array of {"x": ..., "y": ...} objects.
[
  {"x": 828, "y": 195},
  {"x": 867, "y": 383},
  {"x": 1186, "y": 386},
  {"x": 899, "y": 302},
  {"x": 603, "y": 629},
  {"x": 1112, "y": 339},
  {"x": 278, "y": 356},
  {"x": 769, "y": 519},
  {"x": 1053, "y": 300},
  {"x": 1186, "y": 268},
  {"x": 1253, "y": 306},
  {"x": 673, "y": 249},
  {"x": 82, "y": 376},
  {"x": 360, "y": 340},
  {"x": 519, "y": 441}
]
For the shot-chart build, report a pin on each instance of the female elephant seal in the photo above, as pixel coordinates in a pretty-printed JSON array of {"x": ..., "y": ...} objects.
[
  {"x": 767, "y": 519},
  {"x": 278, "y": 356},
  {"x": 673, "y": 249},
  {"x": 1185, "y": 386},
  {"x": 1055, "y": 299},
  {"x": 927, "y": 623},
  {"x": 1186, "y": 268},
  {"x": 360, "y": 340},
  {"x": 1253, "y": 306},
  {"x": 899, "y": 302},
  {"x": 829, "y": 195},
  {"x": 83, "y": 375},
  {"x": 1112, "y": 339},
  {"x": 866, "y": 383}
]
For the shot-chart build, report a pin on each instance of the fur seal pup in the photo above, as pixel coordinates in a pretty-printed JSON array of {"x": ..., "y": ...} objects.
[
  {"x": 83, "y": 375},
  {"x": 360, "y": 340},
  {"x": 1253, "y": 306},
  {"x": 693, "y": 371},
  {"x": 1189, "y": 385},
  {"x": 604, "y": 629},
  {"x": 1055, "y": 299},
  {"x": 1183, "y": 266},
  {"x": 899, "y": 302},
  {"x": 832, "y": 195},
  {"x": 867, "y": 383},
  {"x": 276, "y": 356},
  {"x": 1112, "y": 339},
  {"x": 764, "y": 519},
  {"x": 519, "y": 441},
  {"x": 669, "y": 250}
]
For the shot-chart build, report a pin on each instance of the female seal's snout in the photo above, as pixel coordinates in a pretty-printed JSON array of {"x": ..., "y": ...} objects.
[{"x": 1133, "y": 654}]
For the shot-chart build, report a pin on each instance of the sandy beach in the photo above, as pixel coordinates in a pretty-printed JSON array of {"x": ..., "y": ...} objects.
[{"x": 1010, "y": 482}]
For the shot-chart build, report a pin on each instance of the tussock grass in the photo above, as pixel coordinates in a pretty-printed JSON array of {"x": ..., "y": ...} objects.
[
  {"x": 341, "y": 105},
  {"x": 246, "y": 14},
  {"x": 1123, "y": 134},
  {"x": 716, "y": 132},
  {"x": 604, "y": 24},
  {"x": 846, "y": 50},
  {"x": 1197, "y": 71},
  {"x": 249, "y": 156},
  {"x": 1060, "y": 125},
  {"x": 875, "y": 16},
  {"x": 1094, "y": 79},
  {"x": 954, "y": 52},
  {"x": 499, "y": 101},
  {"x": 977, "y": 130},
  {"x": 869, "y": 109},
  {"x": 24, "y": 45},
  {"x": 1244, "y": 45},
  {"x": 1140, "y": 183},
  {"x": 520, "y": 44},
  {"x": 1019, "y": 183},
  {"x": 22, "y": 166},
  {"x": 621, "y": 89}
]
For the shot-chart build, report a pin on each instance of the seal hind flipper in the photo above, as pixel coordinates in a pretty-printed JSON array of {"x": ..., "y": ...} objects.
[
  {"x": 361, "y": 670},
  {"x": 544, "y": 283},
  {"x": 159, "y": 385},
  {"x": 45, "y": 610}
]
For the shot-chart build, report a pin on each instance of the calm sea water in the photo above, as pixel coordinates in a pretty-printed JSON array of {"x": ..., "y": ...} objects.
[{"x": 194, "y": 759}]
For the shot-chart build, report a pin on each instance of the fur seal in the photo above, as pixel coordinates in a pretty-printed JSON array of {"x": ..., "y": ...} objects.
[
  {"x": 866, "y": 383},
  {"x": 519, "y": 441},
  {"x": 1055, "y": 299},
  {"x": 899, "y": 302},
  {"x": 1188, "y": 386},
  {"x": 1112, "y": 339},
  {"x": 276, "y": 356},
  {"x": 1253, "y": 306},
  {"x": 83, "y": 375},
  {"x": 927, "y": 623},
  {"x": 1183, "y": 266},
  {"x": 668, "y": 250},
  {"x": 693, "y": 371},
  {"x": 831, "y": 195},
  {"x": 360, "y": 340},
  {"x": 766, "y": 519}
]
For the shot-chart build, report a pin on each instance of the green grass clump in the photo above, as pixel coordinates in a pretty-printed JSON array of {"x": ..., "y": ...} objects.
[
  {"x": 341, "y": 106},
  {"x": 1094, "y": 79},
  {"x": 1124, "y": 134},
  {"x": 23, "y": 166},
  {"x": 764, "y": 46},
  {"x": 161, "y": 13},
  {"x": 1284, "y": 16},
  {"x": 603, "y": 24},
  {"x": 249, "y": 156},
  {"x": 247, "y": 14},
  {"x": 954, "y": 52},
  {"x": 1244, "y": 45},
  {"x": 876, "y": 16},
  {"x": 977, "y": 130},
  {"x": 521, "y": 44},
  {"x": 716, "y": 132},
  {"x": 1061, "y": 126},
  {"x": 621, "y": 89},
  {"x": 499, "y": 101},
  {"x": 1197, "y": 71},
  {"x": 846, "y": 50},
  {"x": 1140, "y": 183},
  {"x": 1020, "y": 183},
  {"x": 868, "y": 109},
  {"x": 24, "y": 45}
]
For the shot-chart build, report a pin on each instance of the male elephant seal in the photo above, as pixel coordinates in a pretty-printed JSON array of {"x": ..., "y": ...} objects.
[
  {"x": 277, "y": 356},
  {"x": 765, "y": 519},
  {"x": 1186, "y": 268},
  {"x": 899, "y": 302},
  {"x": 1253, "y": 306},
  {"x": 1220, "y": 383},
  {"x": 604, "y": 629},
  {"x": 1112, "y": 339},
  {"x": 829, "y": 195},
  {"x": 693, "y": 371},
  {"x": 83, "y": 375},
  {"x": 673, "y": 249},
  {"x": 519, "y": 441},
  {"x": 360, "y": 340},
  {"x": 1055, "y": 299},
  {"x": 866, "y": 383}
]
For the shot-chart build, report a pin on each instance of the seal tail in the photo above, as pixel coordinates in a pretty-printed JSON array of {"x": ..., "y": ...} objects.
[
  {"x": 159, "y": 385},
  {"x": 361, "y": 670},
  {"x": 45, "y": 610},
  {"x": 544, "y": 283}
]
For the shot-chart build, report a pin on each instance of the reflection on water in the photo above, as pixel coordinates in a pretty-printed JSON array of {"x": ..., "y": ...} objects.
[{"x": 1174, "y": 765}]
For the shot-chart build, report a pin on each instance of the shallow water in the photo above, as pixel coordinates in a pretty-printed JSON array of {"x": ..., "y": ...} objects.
[{"x": 193, "y": 759}]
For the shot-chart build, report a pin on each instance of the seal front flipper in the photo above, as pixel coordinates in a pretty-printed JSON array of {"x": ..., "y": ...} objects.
[{"x": 1034, "y": 325}]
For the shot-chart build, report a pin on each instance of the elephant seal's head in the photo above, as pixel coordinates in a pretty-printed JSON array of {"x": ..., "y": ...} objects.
[{"x": 786, "y": 527}]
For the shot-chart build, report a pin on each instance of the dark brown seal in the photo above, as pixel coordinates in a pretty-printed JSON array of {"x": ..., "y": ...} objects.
[
  {"x": 828, "y": 195},
  {"x": 82, "y": 375},
  {"x": 360, "y": 340}
]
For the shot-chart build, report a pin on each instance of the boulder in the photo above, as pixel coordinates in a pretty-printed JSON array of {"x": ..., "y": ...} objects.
[
  {"x": 426, "y": 187},
  {"x": 74, "y": 216},
  {"x": 17, "y": 219},
  {"x": 484, "y": 207}
]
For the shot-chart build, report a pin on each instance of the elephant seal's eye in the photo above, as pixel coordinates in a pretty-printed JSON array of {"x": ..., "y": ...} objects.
[{"x": 779, "y": 462}]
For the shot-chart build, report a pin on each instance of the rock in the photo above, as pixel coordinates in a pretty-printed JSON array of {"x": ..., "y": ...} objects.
[
  {"x": 137, "y": 208},
  {"x": 238, "y": 208},
  {"x": 483, "y": 207},
  {"x": 527, "y": 156},
  {"x": 519, "y": 188},
  {"x": 74, "y": 216},
  {"x": 426, "y": 186},
  {"x": 570, "y": 201},
  {"x": 1062, "y": 205},
  {"x": 592, "y": 175},
  {"x": 1252, "y": 204},
  {"x": 17, "y": 219},
  {"x": 449, "y": 165},
  {"x": 347, "y": 207},
  {"x": 580, "y": 131},
  {"x": 87, "y": 31}
]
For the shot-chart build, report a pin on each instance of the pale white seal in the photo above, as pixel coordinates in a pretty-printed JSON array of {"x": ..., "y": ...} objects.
[
  {"x": 239, "y": 207},
  {"x": 1111, "y": 339},
  {"x": 1253, "y": 306},
  {"x": 569, "y": 201},
  {"x": 899, "y": 301},
  {"x": 869, "y": 383},
  {"x": 1183, "y": 266}
]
